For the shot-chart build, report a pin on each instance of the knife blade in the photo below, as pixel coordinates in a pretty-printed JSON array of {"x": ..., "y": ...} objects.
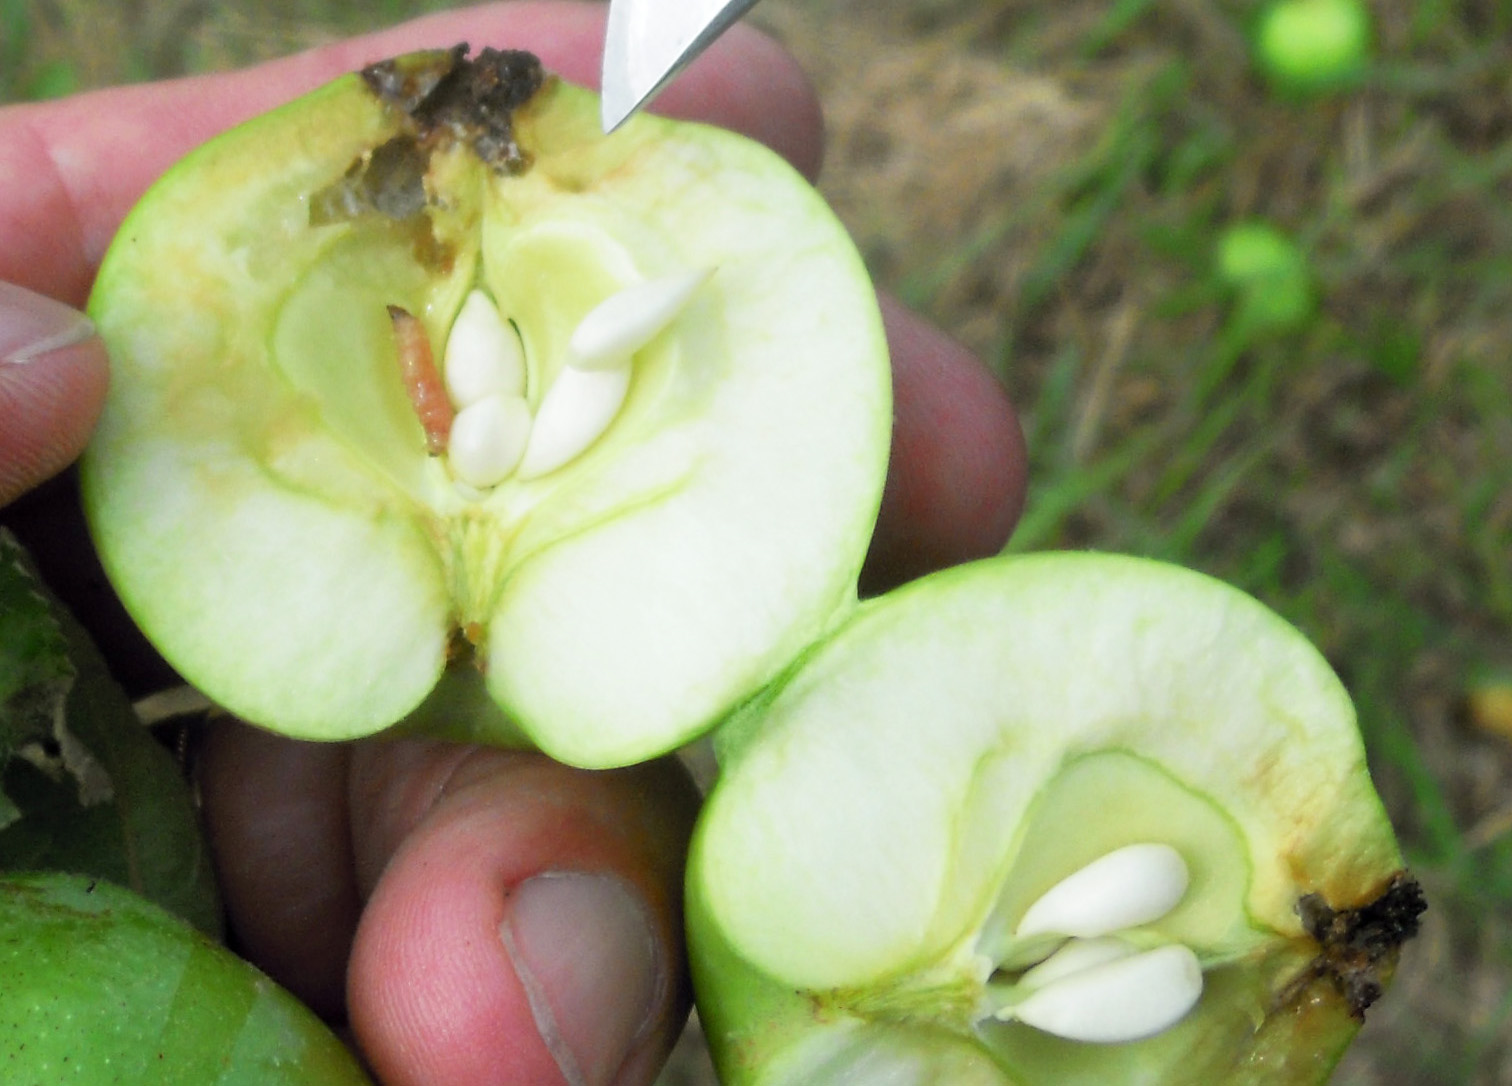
[{"x": 650, "y": 41}]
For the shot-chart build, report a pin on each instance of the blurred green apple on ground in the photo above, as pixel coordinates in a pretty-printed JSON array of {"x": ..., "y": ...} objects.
[
  {"x": 1268, "y": 274},
  {"x": 1310, "y": 47}
]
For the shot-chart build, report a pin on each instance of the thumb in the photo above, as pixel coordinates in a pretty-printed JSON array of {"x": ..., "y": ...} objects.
[
  {"x": 52, "y": 385},
  {"x": 524, "y": 923}
]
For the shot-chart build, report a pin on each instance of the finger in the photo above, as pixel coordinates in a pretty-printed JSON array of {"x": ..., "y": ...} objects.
[
  {"x": 52, "y": 385},
  {"x": 70, "y": 169},
  {"x": 955, "y": 483},
  {"x": 526, "y": 926},
  {"x": 276, "y": 814}
]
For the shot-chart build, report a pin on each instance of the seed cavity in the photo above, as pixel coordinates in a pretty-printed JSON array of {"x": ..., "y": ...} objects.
[
  {"x": 1134, "y": 885},
  {"x": 1126, "y": 998},
  {"x": 477, "y": 411},
  {"x": 626, "y": 321},
  {"x": 1077, "y": 968},
  {"x": 483, "y": 354}
]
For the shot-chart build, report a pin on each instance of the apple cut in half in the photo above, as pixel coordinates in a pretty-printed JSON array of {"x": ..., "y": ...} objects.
[
  {"x": 1061, "y": 819},
  {"x": 431, "y": 403}
]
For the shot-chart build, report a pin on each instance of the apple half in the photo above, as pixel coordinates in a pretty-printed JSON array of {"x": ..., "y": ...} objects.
[
  {"x": 430, "y": 402},
  {"x": 1057, "y": 818}
]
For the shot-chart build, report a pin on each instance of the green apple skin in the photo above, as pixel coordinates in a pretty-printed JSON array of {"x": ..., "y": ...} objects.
[
  {"x": 259, "y": 488},
  {"x": 1308, "y": 47},
  {"x": 101, "y": 986},
  {"x": 889, "y": 808}
]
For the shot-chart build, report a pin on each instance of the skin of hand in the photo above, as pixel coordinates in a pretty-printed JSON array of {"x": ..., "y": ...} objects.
[{"x": 474, "y": 915}]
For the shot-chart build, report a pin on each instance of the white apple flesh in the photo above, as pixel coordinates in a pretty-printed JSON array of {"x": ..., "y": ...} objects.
[
  {"x": 1048, "y": 817},
  {"x": 696, "y": 343}
]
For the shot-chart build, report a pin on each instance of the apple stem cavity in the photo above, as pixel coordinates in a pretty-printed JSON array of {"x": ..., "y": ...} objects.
[
  {"x": 1134, "y": 885},
  {"x": 1109, "y": 997},
  {"x": 417, "y": 369},
  {"x": 608, "y": 337}
]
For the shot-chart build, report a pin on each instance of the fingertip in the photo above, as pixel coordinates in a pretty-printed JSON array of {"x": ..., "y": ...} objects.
[
  {"x": 276, "y": 813},
  {"x": 956, "y": 481},
  {"x": 749, "y": 83},
  {"x": 53, "y": 376}
]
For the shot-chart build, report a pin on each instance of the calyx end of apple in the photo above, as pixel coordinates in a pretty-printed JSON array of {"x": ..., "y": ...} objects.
[
  {"x": 447, "y": 96},
  {"x": 1358, "y": 947}
]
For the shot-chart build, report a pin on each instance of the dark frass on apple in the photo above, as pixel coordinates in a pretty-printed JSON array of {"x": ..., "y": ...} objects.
[{"x": 435, "y": 408}]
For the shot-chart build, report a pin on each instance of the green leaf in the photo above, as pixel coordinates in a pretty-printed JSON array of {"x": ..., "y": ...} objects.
[{"x": 84, "y": 788}]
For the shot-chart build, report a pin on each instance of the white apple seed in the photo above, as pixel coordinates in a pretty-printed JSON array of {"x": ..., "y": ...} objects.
[
  {"x": 577, "y": 409},
  {"x": 626, "y": 321},
  {"x": 1133, "y": 885},
  {"x": 483, "y": 354},
  {"x": 1125, "y": 999},
  {"x": 488, "y": 439},
  {"x": 1073, "y": 956}
]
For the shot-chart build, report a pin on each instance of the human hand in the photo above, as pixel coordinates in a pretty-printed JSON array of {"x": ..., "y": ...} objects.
[{"x": 476, "y": 915}]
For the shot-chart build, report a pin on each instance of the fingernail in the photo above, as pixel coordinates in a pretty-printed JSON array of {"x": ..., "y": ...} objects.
[
  {"x": 31, "y": 325},
  {"x": 583, "y": 948}
]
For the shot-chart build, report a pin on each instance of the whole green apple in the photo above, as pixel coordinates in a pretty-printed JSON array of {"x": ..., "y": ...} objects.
[
  {"x": 430, "y": 402},
  {"x": 98, "y": 985},
  {"x": 1056, "y": 818},
  {"x": 1269, "y": 275},
  {"x": 1308, "y": 47}
]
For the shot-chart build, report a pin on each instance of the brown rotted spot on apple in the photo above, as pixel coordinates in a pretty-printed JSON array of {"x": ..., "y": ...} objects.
[
  {"x": 1358, "y": 948},
  {"x": 443, "y": 98},
  {"x": 389, "y": 180},
  {"x": 387, "y": 184}
]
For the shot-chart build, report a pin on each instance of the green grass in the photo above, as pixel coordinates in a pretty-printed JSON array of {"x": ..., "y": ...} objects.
[{"x": 1354, "y": 472}]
